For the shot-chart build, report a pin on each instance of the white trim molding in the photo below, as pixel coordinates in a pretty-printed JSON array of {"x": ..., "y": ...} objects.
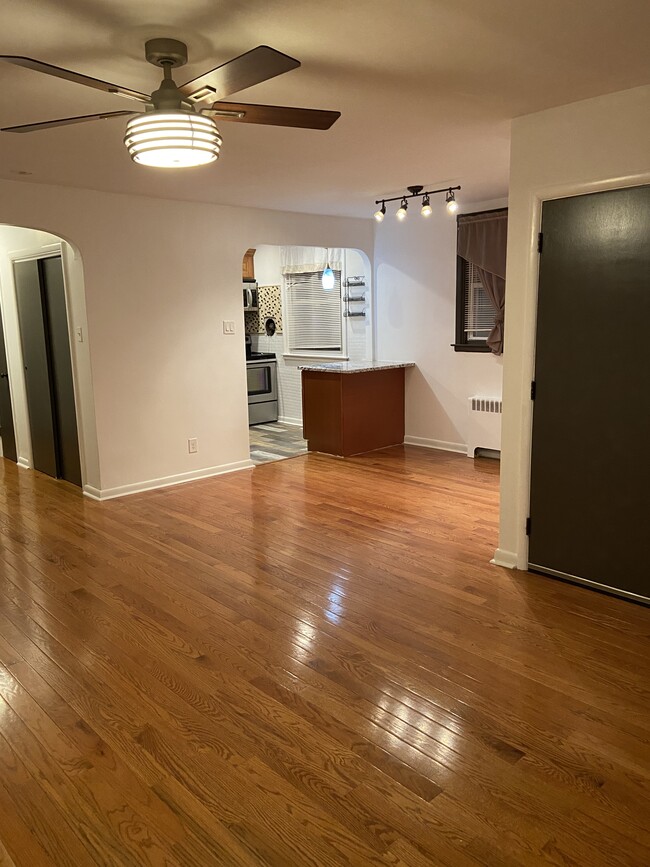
[
  {"x": 166, "y": 482},
  {"x": 294, "y": 422},
  {"x": 508, "y": 559},
  {"x": 441, "y": 445}
]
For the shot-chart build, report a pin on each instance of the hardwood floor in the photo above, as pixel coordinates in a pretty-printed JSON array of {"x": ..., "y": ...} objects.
[{"x": 309, "y": 663}]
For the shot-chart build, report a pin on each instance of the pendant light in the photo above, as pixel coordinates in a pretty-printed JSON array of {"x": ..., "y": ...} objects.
[{"x": 328, "y": 275}]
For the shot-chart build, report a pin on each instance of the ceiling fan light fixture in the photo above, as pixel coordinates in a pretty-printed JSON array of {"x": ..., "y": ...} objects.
[{"x": 172, "y": 139}]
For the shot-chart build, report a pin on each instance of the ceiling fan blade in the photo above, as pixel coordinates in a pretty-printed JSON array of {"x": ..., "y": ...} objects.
[
  {"x": 76, "y": 77},
  {"x": 257, "y": 65},
  {"x": 273, "y": 115},
  {"x": 65, "y": 121}
]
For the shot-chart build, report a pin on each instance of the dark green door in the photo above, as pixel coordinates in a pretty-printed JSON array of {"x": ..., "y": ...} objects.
[
  {"x": 590, "y": 474},
  {"x": 40, "y": 294},
  {"x": 7, "y": 432}
]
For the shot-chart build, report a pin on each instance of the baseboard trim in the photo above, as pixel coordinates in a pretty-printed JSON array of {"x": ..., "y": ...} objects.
[
  {"x": 166, "y": 482},
  {"x": 441, "y": 445},
  {"x": 296, "y": 422},
  {"x": 24, "y": 463},
  {"x": 508, "y": 559}
]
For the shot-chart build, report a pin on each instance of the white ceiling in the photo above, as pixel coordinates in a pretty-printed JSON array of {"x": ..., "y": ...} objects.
[{"x": 426, "y": 89}]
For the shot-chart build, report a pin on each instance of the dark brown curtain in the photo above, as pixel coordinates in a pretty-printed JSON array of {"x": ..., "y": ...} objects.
[{"x": 482, "y": 241}]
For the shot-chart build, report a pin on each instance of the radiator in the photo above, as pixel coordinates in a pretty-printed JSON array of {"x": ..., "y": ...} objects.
[{"x": 484, "y": 428}]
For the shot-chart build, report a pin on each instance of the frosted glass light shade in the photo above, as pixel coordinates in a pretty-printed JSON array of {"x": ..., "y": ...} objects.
[
  {"x": 328, "y": 278},
  {"x": 172, "y": 139}
]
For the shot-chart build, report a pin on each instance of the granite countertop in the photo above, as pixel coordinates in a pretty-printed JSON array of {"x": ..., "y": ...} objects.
[{"x": 354, "y": 366}]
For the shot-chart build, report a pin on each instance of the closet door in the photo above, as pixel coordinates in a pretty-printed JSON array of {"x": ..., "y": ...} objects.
[
  {"x": 62, "y": 388},
  {"x": 45, "y": 339},
  {"x": 33, "y": 338},
  {"x": 7, "y": 432},
  {"x": 590, "y": 476}
]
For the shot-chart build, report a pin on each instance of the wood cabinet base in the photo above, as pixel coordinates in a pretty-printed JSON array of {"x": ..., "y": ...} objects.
[{"x": 350, "y": 413}]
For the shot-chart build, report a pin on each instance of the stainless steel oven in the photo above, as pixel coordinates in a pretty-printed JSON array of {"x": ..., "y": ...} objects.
[{"x": 262, "y": 384}]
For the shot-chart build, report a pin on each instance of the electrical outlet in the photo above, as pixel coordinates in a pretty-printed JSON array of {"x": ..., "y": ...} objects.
[
  {"x": 193, "y": 445},
  {"x": 228, "y": 326}
]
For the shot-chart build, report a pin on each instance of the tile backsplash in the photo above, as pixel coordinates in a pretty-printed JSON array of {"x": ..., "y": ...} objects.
[{"x": 270, "y": 306}]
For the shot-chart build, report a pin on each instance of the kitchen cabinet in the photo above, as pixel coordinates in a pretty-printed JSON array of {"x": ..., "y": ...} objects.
[
  {"x": 248, "y": 267},
  {"x": 353, "y": 408}
]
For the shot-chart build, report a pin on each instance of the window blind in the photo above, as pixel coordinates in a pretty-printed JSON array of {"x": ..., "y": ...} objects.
[
  {"x": 479, "y": 311},
  {"x": 314, "y": 313}
]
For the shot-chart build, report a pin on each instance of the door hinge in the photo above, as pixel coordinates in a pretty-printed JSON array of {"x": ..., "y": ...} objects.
[
  {"x": 533, "y": 390},
  {"x": 528, "y": 526},
  {"x": 540, "y": 241}
]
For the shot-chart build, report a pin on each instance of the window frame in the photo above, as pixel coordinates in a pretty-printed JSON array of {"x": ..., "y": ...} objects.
[
  {"x": 322, "y": 354},
  {"x": 461, "y": 343}
]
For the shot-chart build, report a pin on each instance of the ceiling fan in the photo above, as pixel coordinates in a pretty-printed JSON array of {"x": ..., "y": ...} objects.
[{"x": 174, "y": 126}]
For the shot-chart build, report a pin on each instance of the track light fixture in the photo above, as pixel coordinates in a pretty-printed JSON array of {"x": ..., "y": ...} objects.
[
  {"x": 415, "y": 192},
  {"x": 452, "y": 204}
]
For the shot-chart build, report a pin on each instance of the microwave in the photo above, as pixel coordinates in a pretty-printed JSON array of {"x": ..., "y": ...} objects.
[{"x": 250, "y": 297}]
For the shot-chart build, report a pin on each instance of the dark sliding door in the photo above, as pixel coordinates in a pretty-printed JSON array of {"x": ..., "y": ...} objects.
[
  {"x": 7, "y": 433},
  {"x": 45, "y": 341},
  {"x": 590, "y": 474}
]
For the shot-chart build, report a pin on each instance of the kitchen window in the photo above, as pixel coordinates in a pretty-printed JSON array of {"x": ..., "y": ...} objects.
[{"x": 313, "y": 314}]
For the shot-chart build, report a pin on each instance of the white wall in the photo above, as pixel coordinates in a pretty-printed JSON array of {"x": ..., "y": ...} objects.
[
  {"x": 268, "y": 272},
  {"x": 415, "y": 305},
  {"x": 160, "y": 277},
  {"x": 583, "y": 147}
]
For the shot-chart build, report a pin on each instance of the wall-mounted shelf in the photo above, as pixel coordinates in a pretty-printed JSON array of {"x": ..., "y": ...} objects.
[{"x": 351, "y": 284}]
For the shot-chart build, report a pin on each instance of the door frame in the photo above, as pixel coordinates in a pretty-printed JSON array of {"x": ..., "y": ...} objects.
[
  {"x": 15, "y": 359},
  {"x": 517, "y": 404}
]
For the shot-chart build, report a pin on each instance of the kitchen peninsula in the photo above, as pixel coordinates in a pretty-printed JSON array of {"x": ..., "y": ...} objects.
[{"x": 353, "y": 407}]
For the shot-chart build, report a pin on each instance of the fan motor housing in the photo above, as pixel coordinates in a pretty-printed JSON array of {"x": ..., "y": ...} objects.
[{"x": 166, "y": 52}]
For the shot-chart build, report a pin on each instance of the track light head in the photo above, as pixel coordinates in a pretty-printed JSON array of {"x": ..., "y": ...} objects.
[
  {"x": 427, "y": 210},
  {"x": 381, "y": 213},
  {"x": 401, "y": 213},
  {"x": 452, "y": 204}
]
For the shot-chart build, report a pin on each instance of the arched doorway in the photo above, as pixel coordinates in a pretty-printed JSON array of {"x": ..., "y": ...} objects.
[{"x": 44, "y": 361}]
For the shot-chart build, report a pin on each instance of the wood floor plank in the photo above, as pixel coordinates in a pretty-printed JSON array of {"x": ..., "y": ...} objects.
[{"x": 309, "y": 663}]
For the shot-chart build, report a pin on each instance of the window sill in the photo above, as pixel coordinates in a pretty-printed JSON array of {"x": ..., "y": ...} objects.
[
  {"x": 468, "y": 347},
  {"x": 300, "y": 356}
]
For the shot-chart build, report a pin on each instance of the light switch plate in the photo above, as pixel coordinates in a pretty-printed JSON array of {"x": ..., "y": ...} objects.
[{"x": 228, "y": 326}]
